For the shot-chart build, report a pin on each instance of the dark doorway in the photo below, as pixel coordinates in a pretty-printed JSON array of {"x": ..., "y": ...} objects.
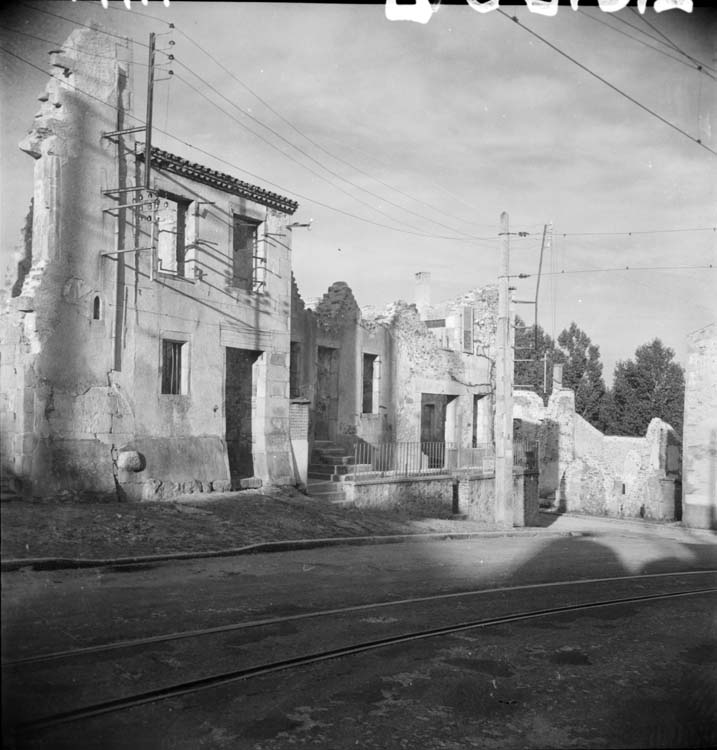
[
  {"x": 239, "y": 400},
  {"x": 327, "y": 393},
  {"x": 369, "y": 370}
]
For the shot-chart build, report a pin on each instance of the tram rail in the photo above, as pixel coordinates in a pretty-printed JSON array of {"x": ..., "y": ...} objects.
[{"x": 238, "y": 673}]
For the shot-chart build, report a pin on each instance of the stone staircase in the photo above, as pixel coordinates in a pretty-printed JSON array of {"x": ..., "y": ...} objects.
[
  {"x": 330, "y": 466},
  {"x": 9, "y": 488}
]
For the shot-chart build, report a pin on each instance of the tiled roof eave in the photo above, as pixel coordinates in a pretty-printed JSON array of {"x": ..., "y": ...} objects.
[{"x": 167, "y": 162}]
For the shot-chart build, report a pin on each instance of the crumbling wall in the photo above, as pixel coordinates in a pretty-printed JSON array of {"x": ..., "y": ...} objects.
[
  {"x": 83, "y": 340},
  {"x": 51, "y": 342},
  {"x": 422, "y": 365},
  {"x": 585, "y": 471},
  {"x": 700, "y": 430}
]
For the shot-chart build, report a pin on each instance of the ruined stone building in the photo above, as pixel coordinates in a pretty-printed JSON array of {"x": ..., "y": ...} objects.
[
  {"x": 583, "y": 470},
  {"x": 154, "y": 342},
  {"x": 385, "y": 376},
  {"x": 145, "y": 350}
]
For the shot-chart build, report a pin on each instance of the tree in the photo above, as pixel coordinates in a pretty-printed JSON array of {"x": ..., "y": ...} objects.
[
  {"x": 533, "y": 374},
  {"x": 653, "y": 385},
  {"x": 582, "y": 372}
]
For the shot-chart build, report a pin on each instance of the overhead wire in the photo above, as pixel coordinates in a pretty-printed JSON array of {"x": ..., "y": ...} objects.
[
  {"x": 284, "y": 153},
  {"x": 563, "y": 272},
  {"x": 423, "y": 216},
  {"x": 301, "y": 164},
  {"x": 680, "y": 60},
  {"x": 73, "y": 48},
  {"x": 673, "y": 45},
  {"x": 607, "y": 83},
  {"x": 641, "y": 231},
  {"x": 245, "y": 171},
  {"x": 300, "y": 132},
  {"x": 297, "y": 130},
  {"x": 85, "y": 25}
]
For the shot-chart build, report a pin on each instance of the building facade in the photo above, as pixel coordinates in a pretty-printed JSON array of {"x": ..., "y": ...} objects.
[
  {"x": 384, "y": 376},
  {"x": 145, "y": 339}
]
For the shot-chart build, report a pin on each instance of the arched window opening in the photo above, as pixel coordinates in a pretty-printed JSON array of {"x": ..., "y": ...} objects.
[{"x": 96, "y": 308}]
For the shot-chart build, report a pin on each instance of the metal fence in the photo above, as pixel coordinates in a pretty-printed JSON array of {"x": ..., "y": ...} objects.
[{"x": 434, "y": 458}]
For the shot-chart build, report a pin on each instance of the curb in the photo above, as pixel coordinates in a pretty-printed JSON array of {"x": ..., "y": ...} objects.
[{"x": 64, "y": 563}]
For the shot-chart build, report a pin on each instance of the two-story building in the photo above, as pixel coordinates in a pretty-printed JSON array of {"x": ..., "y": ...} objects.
[{"x": 145, "y": 341}]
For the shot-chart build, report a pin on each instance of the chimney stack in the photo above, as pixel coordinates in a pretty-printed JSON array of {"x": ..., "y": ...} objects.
[
  {"x": 423, "y": 291},
  {"x": 557, "y": 377}
]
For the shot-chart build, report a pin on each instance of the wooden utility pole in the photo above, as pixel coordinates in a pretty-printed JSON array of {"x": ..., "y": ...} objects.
[
  {"x": 148, "y": 119},
  {"x": 503, "y": 425}
]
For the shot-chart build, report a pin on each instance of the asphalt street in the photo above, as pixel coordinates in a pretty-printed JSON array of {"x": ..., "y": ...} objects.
[{"x": 581, "y": 679}]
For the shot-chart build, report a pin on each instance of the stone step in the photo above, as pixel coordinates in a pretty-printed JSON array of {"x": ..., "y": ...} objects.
[
  {"x": 339, "y": 458},
  {"x": 8, "y": 489},
  {"x": 362, "y": 475},
  {"x": 328, "y": 470},
  {"x": 320, "y": 470}
]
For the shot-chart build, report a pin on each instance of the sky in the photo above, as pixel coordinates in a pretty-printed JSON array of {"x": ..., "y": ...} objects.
[{"x": 404, "y": 142}]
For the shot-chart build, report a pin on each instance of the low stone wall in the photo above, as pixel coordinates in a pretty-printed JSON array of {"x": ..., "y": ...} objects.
[{"x": 470, "y": 494}]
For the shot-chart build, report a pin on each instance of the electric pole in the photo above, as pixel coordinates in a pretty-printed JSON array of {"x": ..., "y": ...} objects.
[{"x": 503, "y": 425}]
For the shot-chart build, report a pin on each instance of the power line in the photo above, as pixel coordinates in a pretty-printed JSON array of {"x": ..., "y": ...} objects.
[
  {"x": 311, "y": 140},
  {"x": 73, "y": 48},
  {"x": 644, "y": 231},
  {"x": 284, "y": 153},
  {"x": 673, "y": 45},
  {"x": 296, "y": 129},
  {"x": 670, "y": 46},
  {"x": 247, "y": 114},
  {"x": 241, "y": 169},
  {"x": 290, "y": 124},
  {"x": 607, "y": 83},
  {"x": 710, "y": 266},
  {"x": 330, "y": 171},
  {"x": 680, "y": 60},
  {"x": 86, "y": 25}
]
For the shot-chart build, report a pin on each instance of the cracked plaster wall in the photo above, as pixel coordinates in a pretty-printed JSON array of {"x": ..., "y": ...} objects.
[
  {"x": 82, "y": 390},
  {"x": 700, "y": 430},
  {"x": 412, "y": 361}
]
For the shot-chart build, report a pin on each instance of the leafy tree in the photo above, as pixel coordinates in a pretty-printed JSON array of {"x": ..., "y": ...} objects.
[
  {"x": 533, "y": 373},
  {"x": 653, "y": 385},
  {"x": 582, "y": 372}
]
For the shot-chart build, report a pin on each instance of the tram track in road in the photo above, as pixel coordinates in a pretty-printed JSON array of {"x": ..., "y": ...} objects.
[
  {"x": 579, "y": 600},
  {"x": 269, "y": 621}
]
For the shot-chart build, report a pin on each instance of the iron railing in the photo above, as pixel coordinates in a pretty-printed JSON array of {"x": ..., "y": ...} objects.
[{"x": 401, "y": 459}]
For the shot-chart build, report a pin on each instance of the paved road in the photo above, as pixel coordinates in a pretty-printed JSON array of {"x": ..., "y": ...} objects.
[{"x": 571, "y": 681}]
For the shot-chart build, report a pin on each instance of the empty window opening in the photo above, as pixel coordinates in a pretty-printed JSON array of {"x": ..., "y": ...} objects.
[
  {"x": 369, "y": 376},
  {"x": 172, "y": 380},
  {"x": 327, "y": 394},
  {"x": 467, "y": 329},
  {"x": 96, "y": 308},
  {"x": 295, "y": 370},
  {"x": 171, "y": 234},
  {"x": 245, "y": 252}
]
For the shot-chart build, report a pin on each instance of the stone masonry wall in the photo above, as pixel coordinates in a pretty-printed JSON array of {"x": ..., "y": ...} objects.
[
  {"x": 583, "y": 470},
  {"x": 700, "y": 430}
]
